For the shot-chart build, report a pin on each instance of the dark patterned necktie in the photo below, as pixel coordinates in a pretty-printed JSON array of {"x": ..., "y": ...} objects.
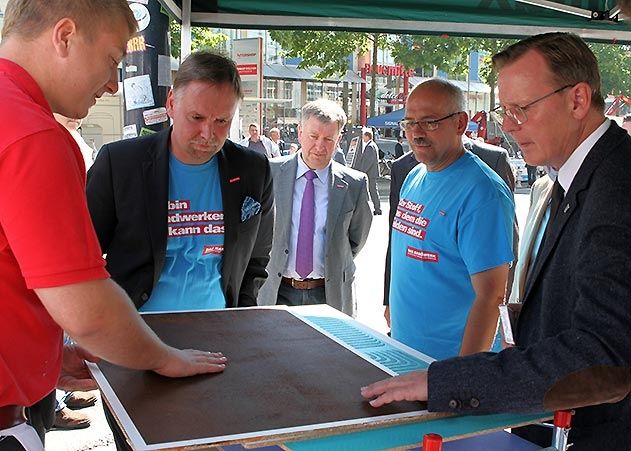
[{"x": 556, "y": 199}]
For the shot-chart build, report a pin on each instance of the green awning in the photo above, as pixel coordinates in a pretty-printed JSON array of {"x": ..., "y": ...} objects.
[{"x": 594, "y": 20}]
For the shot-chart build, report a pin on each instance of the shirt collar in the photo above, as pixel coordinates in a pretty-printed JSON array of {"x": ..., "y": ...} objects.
[
  {"x": 25, "y": 82},
  {"x": 322, "y": 174},
  {"x": 568, "y": 171}
]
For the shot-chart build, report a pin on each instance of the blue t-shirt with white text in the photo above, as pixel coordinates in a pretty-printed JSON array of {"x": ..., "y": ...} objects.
[
  {"x": 449, "y": 225},
  {"x": 191, "y": 275}
]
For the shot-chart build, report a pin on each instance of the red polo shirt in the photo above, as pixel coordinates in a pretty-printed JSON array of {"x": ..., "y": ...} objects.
[{"x": 46, "y": 235}]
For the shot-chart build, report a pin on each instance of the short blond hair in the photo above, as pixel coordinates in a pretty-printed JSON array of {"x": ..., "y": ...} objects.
[
  {"x": 569, "y": 58},
  {"x": 28, "y": 18}
]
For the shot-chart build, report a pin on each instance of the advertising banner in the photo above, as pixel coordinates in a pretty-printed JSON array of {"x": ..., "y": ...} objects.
[{"x": 248, "y": 56}]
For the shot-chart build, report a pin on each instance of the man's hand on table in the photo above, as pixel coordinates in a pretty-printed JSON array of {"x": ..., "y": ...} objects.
[
  {"x": 188, "y": 362},
  {"x": 408, "y": 387}
]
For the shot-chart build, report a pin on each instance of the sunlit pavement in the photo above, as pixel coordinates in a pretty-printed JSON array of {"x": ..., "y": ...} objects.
[{"x": 369, "y": 293}]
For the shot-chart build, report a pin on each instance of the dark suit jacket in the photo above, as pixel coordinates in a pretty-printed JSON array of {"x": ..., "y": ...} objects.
[
  {"x": 127, "y": 191},
  {"x": 495, "y": 157},
  {"x": 573, "y": 334}
]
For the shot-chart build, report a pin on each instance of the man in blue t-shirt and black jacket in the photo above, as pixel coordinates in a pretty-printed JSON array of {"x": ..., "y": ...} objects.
[{"x": 185, "y": 216}]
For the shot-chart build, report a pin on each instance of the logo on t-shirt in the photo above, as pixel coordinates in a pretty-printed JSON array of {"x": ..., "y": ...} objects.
[
  {"x": 212, "y": 250},
  {"x": 418, "y": 254}
]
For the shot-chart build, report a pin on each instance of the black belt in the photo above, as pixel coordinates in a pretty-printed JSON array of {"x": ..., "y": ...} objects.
[
  {"x": 306, "y": 284},
  {"x": 11, "y": 416}
]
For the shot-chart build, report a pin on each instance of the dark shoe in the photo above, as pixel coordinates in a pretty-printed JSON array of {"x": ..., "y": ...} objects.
[
  {"x": 377, "y": 213},
  {"x": 81, "y": 399},
  {"x": 69, "y": 419}
]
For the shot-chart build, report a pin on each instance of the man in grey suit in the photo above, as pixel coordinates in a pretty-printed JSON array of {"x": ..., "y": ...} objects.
[
  {"x": 322, "y": 217},
  {"x": 367, "y": 161},
  {"x": 573, "y": 347},
  {"x": 495, "y": 157}
]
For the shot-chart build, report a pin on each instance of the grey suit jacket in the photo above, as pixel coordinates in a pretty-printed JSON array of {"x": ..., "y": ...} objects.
[
  {"x": 367, "y": 160},
  {"x": 573, "y": 342},
  {"x": 539, "y": 197},
  {"x": 495, "y": 157},
  {"x": 347, "y": 226}
]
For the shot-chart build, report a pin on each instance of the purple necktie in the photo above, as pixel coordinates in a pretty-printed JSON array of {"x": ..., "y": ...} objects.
[{"x": 304, "y": 251}]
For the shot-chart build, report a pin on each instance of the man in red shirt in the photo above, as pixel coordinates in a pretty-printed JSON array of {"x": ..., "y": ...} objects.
[{"x": 60, "y": 56}]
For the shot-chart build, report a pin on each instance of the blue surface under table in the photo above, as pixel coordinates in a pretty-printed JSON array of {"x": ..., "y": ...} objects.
[{"x": 484, "y": 432}]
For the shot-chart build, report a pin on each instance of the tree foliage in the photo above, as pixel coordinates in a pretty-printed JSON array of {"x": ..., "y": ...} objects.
[
  {"x": 446, "y": 53},
  {"x": 449, "y": 54},
  {"x": 614, "y": 61},
  {"x": 489, "y": 47},
  {"x": 328, "y": 50},
  {"x": 202, "y": 38}
]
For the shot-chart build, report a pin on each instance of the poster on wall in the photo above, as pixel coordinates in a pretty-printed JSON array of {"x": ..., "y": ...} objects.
[
  {"x": 138, "y": 92},
  {"x": 248, "y": 56}
]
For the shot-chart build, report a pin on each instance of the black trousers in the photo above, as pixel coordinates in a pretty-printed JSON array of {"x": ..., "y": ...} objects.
[
  {"x": 41, "y": 415},
  {"x": 10, "y": 443}
]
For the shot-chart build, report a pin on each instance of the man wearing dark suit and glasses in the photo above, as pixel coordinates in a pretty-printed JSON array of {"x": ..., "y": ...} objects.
[{"x": 573, "y": 347}]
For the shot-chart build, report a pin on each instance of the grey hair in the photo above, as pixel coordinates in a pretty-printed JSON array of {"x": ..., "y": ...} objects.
[{"x": 324, "y": 110}]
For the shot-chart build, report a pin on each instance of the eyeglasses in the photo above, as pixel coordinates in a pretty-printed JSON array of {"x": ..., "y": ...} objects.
[
  {"x": 428, "y": 126},
  {"x": 518, "y": 113}
]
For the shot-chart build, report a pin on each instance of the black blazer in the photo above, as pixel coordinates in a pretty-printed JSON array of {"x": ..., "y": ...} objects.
[
  {"x": 127, "y": 192},
  {"x": 398, "y": 150},
  {"x": 495, "y": 157},
  {"x": 573, "y": 334}
]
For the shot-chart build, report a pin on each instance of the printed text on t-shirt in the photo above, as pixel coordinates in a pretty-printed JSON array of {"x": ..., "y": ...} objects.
[
  {"x": 407, "y": 219},
  {"x": 185, "y": 223}
]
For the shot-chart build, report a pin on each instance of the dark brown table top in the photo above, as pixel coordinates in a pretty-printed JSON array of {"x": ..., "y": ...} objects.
[{"x": 283, "y": 378}]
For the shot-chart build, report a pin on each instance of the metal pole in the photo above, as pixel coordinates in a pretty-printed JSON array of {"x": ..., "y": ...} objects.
[
  {"x": 562, "y": 422},
  {"x": 469, "y": 82},
  {"x": 185, "y": 35}
]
